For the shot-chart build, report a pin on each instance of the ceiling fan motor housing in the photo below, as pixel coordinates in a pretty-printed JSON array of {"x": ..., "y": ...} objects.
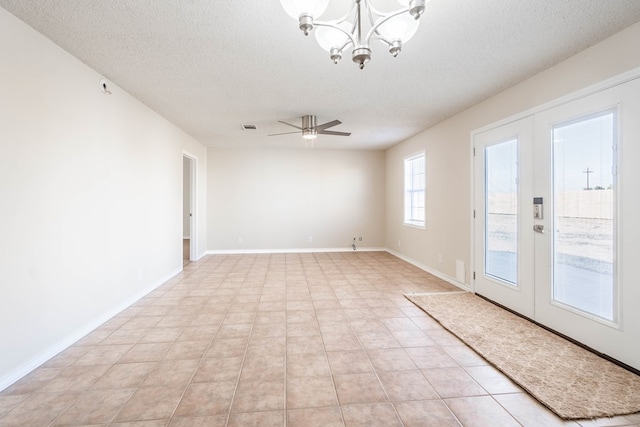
[{"x": 309, "y": 127}]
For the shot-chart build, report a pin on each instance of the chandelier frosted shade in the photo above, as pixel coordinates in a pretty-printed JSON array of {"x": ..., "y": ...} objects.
[
  {"x": 393, "y": 22},
  {"x": 296, "y": 8}
]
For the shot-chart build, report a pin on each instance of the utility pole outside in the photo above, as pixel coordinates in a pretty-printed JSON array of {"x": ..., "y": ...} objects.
[{"x": 588, "y": 172}]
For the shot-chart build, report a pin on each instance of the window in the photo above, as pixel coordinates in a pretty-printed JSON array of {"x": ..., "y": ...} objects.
[{"x": 414, "y": 190}]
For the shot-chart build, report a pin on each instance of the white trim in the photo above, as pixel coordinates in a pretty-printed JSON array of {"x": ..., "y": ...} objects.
[
  {"x": 64, "y": 343},
  {"x": 291, "y": 251},
  {"x": 430, "y": 270}
]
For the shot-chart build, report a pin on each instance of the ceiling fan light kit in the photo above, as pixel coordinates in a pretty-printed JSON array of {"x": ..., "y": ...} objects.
[{"x": 364, "y": 21}]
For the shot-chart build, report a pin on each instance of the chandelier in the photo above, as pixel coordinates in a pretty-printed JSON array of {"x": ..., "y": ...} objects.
[{"x": 393, "y": 22}]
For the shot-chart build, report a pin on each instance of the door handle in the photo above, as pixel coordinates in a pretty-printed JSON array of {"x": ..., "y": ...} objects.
[{"x": 538, "y": 228}]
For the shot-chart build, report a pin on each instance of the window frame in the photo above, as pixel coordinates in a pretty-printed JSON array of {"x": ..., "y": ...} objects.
[{"x": 409, "y": 190}]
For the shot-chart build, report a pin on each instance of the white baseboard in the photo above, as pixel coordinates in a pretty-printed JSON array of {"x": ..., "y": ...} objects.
[
  {"x": 430, "y": 270},
  {"x": 292, "y": 250},
  {"x": 66, "y": 342}
]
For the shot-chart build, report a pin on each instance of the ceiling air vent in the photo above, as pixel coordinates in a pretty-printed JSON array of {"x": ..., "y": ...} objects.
[{"x": 249, "y": 127}]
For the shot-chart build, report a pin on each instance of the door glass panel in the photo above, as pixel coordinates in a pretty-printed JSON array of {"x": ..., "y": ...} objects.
[
  {"x": 583, "y": 241},
  {"x": 501, "y": 201}
]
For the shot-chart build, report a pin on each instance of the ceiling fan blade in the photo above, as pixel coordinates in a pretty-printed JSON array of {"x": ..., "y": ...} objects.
[
  {"x": 284, "y": 133},
  {"x": 333, "y": 132},
  {"x": 294, "y": 126},
  {"x": 328, "y": 125}
]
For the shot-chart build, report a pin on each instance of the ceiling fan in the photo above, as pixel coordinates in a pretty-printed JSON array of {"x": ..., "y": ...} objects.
[{"x": 310, "y": 130}]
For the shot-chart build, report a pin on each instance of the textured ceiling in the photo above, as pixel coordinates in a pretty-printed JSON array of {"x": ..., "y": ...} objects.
[{"x": 211, "y": 66}]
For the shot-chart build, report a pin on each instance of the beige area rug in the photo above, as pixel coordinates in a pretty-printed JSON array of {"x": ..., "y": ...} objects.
[{"x": 571, "y": 381}]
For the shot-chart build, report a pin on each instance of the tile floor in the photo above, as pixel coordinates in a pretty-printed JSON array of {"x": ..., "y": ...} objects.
[{"x": 322, "y": 339}]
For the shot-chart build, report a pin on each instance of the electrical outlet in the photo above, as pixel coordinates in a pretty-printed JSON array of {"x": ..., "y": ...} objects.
[
  {"x": 440, "y": 258},
  {"x": 360, "y": 238},
  {"x": 241, "y": 240},
  {"x": 398, "y": 243},
  {"x": 310, "y": 239}
]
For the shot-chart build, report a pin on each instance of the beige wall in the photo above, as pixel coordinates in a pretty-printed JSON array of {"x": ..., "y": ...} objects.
[
  {"x": 448, "y": 150},
  {"x": 91, "y": 209},
  {"x": 275, "y": 199}
]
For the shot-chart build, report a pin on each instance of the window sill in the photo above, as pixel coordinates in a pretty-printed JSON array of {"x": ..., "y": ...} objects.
[{"x": 420, "y": 226}]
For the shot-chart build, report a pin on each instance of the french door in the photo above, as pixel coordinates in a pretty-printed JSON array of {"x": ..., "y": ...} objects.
[{"x": 556, "y": 231}]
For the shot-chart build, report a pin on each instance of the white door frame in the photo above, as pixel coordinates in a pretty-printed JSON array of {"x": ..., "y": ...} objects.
[{"x": 193, "y": 209}]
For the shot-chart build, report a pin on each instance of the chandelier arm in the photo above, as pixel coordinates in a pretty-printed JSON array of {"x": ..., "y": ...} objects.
[
  {"x": 334, "y": 26},
  {"x": 374, "y": 28}
]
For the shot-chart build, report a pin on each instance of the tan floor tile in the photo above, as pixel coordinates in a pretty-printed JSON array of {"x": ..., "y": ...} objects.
[
  {"x": 453, "y": 382},
  {"x": 142, "y": 322},
  {"x": 257, "y": 395},
  {"x": 311, "y": 392},
  {"x": 239, "y": 330},
  {"x": 171, "y": 373},
  {"x": 268, "y": 368},
  {"x": 198, "y": 333},
  {"x": 67, "y": 357},
  {"x": 39, "y": 409},
  {"x": 151, "y": 403},
  {"x": 349, "y": 362},
  {"x": 32, "y": 381},
  {"x": 305, "y": 345},
  {"x": 395, "y": 359},
  {"x": 407, "y": 385},
  {"x": 227, "y": 347},
  {"x": 307, "y": 365},
  {"x": 430, "y": 357},
  {"x": 268, "y": 330},
  {"x": 529, "y": 412},
  {"x": 207, "y": 421},
  {"x": 150, "y": 423},
  {"x": 9, "y": 402},
  {"x": 158, "y": 334},
  {"x": 94, "y": 407},
  {"x": 492, "y": 380},
  {"x": 315, "y": 417},
  {"x": 273, "y": 346},
  {"x": 124, "y": 375},
  {"x": 359, "y": 388},
  {"x": 206, "y": 399},
  {"x": 426, "y": 413},
  {"x": 414, "y": 338},
  {"x": 145, "y": 353},
  {"x": 257, "y": 419},
  {"x": 186, "y": 350},
  {"x": 213, "y": 370},
  {"x": 464, "y": 355},
  {"x": 125, "y": 336},
  {"x": 378, "y": 340},
  {"x": 480, "y": 411},
  {"x": 103, "y": 355},
  {"x": 75, "y": 378},
  {"x": 175, "y": 321},
  {"x": 372, "y": 415},
  {"x": 342, "y": 342}
]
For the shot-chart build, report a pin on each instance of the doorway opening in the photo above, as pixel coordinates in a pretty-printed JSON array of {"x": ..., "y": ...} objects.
[{"x": 189, "y": 251}]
